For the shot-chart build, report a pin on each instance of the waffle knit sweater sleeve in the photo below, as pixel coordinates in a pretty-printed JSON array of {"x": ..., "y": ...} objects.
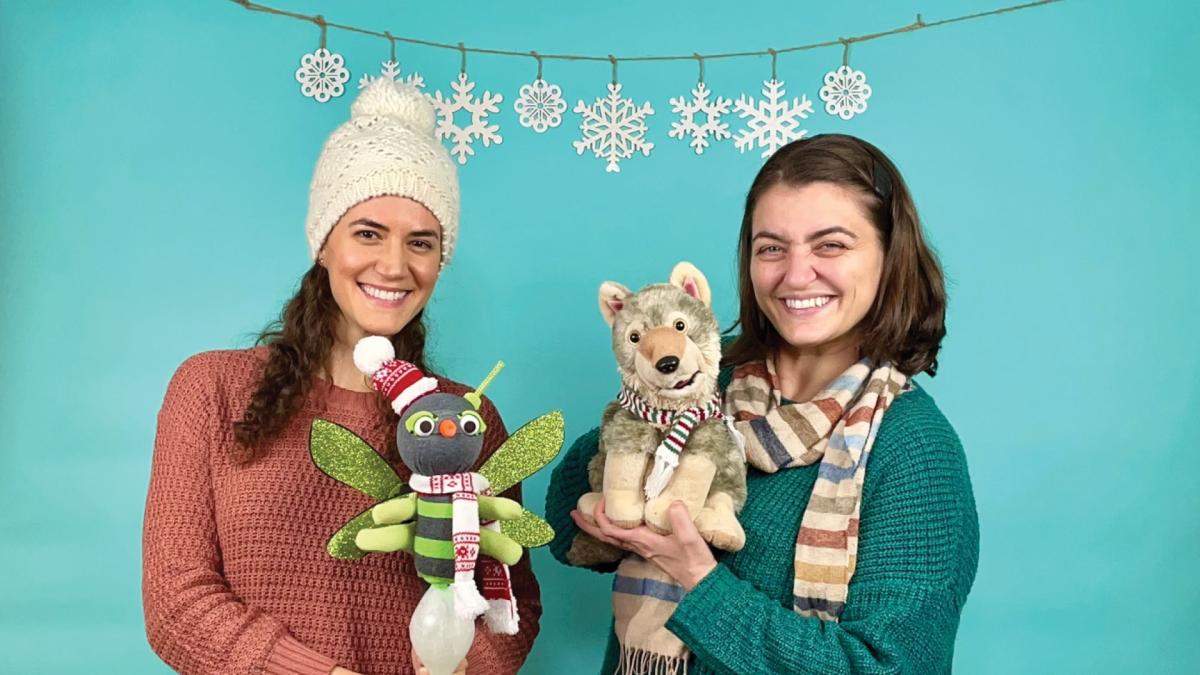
[
  {"x": 235, "y": 575},
  {"x": 917, "y": 561}
]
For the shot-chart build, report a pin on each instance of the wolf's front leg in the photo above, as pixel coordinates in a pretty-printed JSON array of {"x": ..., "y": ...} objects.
[
  {"x": 718, "y": 524},
  {"x": 689, "y": 484},
  {"x": 628, "y": 444}
]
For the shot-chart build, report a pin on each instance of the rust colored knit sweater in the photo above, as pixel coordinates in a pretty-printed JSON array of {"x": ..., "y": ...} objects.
[{"x": 235, "y": 575}]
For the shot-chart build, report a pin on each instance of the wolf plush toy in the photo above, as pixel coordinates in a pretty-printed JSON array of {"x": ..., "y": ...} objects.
[{"x": 664, "y": 438}]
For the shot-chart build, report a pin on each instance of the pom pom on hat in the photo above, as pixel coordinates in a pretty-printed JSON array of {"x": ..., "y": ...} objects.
[
  {"x": 400, "y": 382},
  {"x": 400, "y": 100},
  {"x": 371, "y": 353}
]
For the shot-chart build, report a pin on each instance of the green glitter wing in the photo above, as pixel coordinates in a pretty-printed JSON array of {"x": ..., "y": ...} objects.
[
  {"x": 348, "y": 459},
  {"x": 527, "y": 449},
  {"x": 341, "y": 545},
  {"x": 528, "y": 530}
]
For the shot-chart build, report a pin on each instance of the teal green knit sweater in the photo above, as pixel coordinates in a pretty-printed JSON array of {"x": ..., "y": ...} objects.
[{"x": 918, "y": 550}]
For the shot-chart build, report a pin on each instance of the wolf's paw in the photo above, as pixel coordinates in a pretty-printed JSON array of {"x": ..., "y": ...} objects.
[
  {"x": 720, "y": 528},
  {"x": 624, "y": 508},
  {"x": 587, "y": 506}
]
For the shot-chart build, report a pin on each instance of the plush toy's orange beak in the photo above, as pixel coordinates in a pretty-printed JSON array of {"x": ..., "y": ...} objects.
[{"x": 447, "y": 428}]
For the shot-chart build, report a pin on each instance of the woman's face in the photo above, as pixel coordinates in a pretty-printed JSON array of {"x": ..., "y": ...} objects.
[
  {"x": 815, "y": 263},
  {"x": 383, "y": 259}
]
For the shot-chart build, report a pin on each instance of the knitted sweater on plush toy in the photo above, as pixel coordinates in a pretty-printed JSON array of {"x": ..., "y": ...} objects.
[{"x": 236, "y": 577}]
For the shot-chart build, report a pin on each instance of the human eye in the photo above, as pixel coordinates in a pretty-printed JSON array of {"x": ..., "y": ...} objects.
[
  {"x": 769, "y": 251},
  {"x": 367, "y": 234},
  {"x": 830, "y": 248}
]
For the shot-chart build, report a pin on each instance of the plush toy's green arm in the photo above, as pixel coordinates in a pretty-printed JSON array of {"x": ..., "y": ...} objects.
[
  {"x": 498, "y": 508},
  {"x": 387, "y": 538},
  {"x": 500, "y": 547},
  {"x": 341, "y": 545},
  {"x": 395, "y": 511}
]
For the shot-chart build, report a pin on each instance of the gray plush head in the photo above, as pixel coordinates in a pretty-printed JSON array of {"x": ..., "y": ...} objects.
[
  {"x": 440, "y": 433},
  {"x": 665, "y": 338}
]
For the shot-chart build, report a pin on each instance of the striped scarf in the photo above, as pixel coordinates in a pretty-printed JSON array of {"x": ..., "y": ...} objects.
[
  {"x": 679, "y": 425},
  {"x": 448, "y": 530},
  {"x": 836, "y": 428}
]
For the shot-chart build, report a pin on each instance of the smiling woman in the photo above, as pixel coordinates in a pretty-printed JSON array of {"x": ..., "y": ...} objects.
[
  {"x": 847, "y": 566},
  {"x": 236, "y": 577}
]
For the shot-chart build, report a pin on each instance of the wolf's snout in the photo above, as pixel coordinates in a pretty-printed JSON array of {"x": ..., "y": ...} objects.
[{"x": 667, "y": 364}]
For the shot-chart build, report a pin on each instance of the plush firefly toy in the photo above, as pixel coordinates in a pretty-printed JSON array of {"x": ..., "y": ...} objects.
[{"x": 440, "y": 437}]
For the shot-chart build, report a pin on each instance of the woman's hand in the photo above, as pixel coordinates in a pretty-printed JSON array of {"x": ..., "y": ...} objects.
[
  {"x": 419, "y": 668},
  {"x": 683, "y": 554}
]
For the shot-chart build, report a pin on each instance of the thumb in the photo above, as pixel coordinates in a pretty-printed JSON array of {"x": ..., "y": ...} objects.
[{"x": 681, "y": 520}]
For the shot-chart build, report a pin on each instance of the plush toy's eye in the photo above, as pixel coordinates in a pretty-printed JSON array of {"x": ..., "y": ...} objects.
[
  {"x": 680, "y": 325},
  {"x": 471, "y": 423},
  {"x": 634, "y": 337},
  {"x": 421, "y": 424}
]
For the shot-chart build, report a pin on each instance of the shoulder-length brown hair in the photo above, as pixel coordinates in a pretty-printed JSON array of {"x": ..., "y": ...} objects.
[
  {"x": 299, "y": 344},
  {"x": 907, "y": 321}
]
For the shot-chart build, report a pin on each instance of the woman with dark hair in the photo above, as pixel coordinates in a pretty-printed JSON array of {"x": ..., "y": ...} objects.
[
  {"x": 236, "y": 577},
  {"x": 849, "y": 565}
]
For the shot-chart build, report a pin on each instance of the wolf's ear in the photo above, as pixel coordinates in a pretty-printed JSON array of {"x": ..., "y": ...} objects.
[
  {"x": 686, "y": 276},
  {"x": 612, "y": 300}
]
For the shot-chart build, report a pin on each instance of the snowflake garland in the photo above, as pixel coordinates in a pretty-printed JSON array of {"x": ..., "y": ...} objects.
[
  {"x": 322, "y": 75},
  {"x": 845, "y": 92},
  {"x": 540, "y": 105},
  {"x": 479, "y": 108},
  {"x": 711, "y": 111},
  {"x": 391, "y": 70},
  {"x": 613, "y": 128},
  {"x": 773, "y": 121}
]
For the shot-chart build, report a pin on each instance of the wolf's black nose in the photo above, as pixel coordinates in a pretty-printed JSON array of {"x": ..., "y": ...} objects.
[{"x": 667, "y": 364}]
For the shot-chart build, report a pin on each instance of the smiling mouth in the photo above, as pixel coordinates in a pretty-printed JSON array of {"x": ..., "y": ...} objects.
[
  {"x": 808, "y": 305},
  {"x": 682, "y": 384},
  {"x": 383, "y": 295}
]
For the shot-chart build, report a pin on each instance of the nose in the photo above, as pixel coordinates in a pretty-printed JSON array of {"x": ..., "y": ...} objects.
[
  {"x": 800, "y": 271},
  {"x": 447, "y": 428},
  {"x": 667, "y": 364},
  {"x": 390, "y": 262}
]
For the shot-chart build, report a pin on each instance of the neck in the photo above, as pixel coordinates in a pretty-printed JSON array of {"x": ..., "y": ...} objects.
[
  {"x": 803, "y": 373},
  {"x": 341, "y": 366}
]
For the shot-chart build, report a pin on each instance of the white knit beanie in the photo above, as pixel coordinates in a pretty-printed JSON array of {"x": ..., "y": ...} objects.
[{"x": 386, "y": 148}]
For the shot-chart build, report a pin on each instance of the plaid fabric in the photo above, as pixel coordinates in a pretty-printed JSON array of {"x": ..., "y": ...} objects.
[
  {"x": 837, "y": 428},
  {"x": 644, "y": 598}
]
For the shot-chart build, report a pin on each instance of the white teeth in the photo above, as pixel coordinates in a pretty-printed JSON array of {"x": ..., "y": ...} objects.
[
  {"x": 807, "y": 303},
  {"x": 390, "y": 296}
]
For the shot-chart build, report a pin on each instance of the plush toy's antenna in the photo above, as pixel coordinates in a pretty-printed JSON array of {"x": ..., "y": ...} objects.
[{"x": 475, "y": 398}]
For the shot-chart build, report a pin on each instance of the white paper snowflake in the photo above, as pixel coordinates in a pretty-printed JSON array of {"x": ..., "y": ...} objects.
[
  {"x": 322, "y": 75},
  {"x": 710, "y": 111},
  {"x": 540, "y": 105},
  {"x": 845, "y": 92},
  {"x": 773, "y": 121},
  {"x": 391, "y": 70},
  {"x": 613, "y": 128},
  {"x": 479, "y": 108}
]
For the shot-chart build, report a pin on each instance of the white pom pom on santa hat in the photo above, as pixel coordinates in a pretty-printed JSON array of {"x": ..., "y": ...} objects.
[{"x": 372, "y": 352}]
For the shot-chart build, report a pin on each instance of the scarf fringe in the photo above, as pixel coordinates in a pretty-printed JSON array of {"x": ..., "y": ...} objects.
[{"x": 641, "y": 662}]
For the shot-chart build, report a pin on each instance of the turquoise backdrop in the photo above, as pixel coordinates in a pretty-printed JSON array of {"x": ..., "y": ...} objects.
[{"x": 155, "y": 159}]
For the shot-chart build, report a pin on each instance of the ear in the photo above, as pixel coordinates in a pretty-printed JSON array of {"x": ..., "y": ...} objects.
[
  {"x": 686, "y": 276},
  {"x": 612, "y": 300}
]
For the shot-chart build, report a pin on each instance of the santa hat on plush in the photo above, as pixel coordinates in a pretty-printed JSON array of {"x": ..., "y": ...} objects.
[{"x": 400, "y": 382}]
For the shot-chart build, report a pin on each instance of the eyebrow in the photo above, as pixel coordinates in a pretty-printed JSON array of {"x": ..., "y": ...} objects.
[
  {"x": 380, "y": 226},
  {"x": 836, "y": 229},
  {"x": 426, "y": 233}
]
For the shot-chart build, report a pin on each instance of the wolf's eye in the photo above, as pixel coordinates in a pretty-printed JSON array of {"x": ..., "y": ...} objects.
[
  {"x": 680, "y": 325},
  {"x": 634, "y": 337}
]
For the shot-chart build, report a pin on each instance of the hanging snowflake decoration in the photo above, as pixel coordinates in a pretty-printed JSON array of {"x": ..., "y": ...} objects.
[
  {"x": 391, "y": 71},
  {"x": 773, "y": 121},
  {"x": 322, "y": 75},
  {"x": 845, "y": 92},
  {"x": 613, "y": 128},
  {"x": 540, "y": 105},
  {"x": 479, "y": 108},
  {"x": 710, "y": 111}
]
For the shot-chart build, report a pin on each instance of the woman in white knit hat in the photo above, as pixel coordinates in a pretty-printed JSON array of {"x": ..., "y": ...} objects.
[{"x": 236, "y": 577}]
